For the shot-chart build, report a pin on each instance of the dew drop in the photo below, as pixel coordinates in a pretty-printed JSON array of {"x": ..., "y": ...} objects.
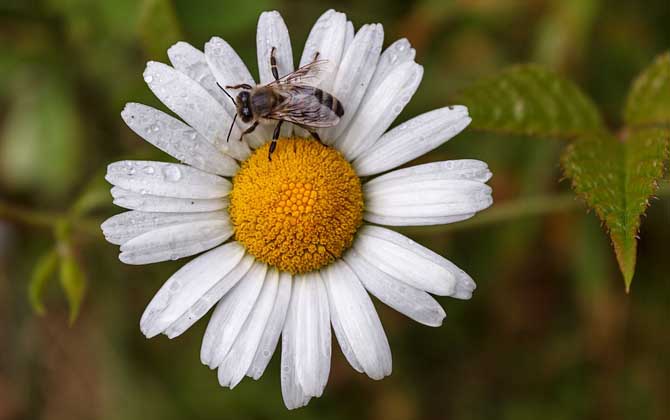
[
  {"x": 148, "y": 170},
  {"x": 172, "y": 173},
  {"x": 148, "y": 78}
]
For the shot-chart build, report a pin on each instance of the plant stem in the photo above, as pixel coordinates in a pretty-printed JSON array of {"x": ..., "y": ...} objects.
[{"x": 46, "y": 219}]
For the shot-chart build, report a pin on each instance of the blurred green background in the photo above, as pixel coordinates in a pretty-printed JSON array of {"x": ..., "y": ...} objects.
[{"x": 550, "y": 332}]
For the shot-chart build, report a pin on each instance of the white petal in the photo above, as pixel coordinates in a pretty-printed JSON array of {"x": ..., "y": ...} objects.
[
  {"x": 292, "y": 392},
  {"x": 230, "y": 315},
  {"x": 273, "y": 329},
  {"x": 414, "y": 221},
  {"x": 312, "y": 333},
  {"x": 410, "y": 301},
  {"x": 411, "y": 198},
  {"x": 399, "y": 52},
  {"x": 360, "y": 331},
  {"x": 230, "y": 70},
  {"x": 123, "y": 227},
  {"x": 177, "y": 139},
  {"x": 174, "y": 242},
  {"x": 226, "y": 65},
  {"x": 327, "y": 37},
  {"x": 412, "y": 139},
  {"x": 184, "y": 292},
  {"x": 210, "y": 298},
  {"x": 272, "y": 32},
  {"x": 154, "y": 203},
  {"x": 191, "y": 61},
  {"x": 240, "y": 356},
  {"x": 166, "y": 179},
  {"x": 409, "y": 262},
  {"x": 379, "y": 108},
  {"x": 354, "y": 74},
  {"x": 195, "y": 106},
  {"x": 460, "y": 169},
  {"x": 349, "y": 36}
]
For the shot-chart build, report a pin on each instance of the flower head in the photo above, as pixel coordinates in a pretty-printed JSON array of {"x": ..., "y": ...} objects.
[{"x": 305, "y": 249}]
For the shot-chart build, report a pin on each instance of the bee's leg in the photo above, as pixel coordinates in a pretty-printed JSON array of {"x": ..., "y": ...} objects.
[
  {"x": 275, "y": 136},
  {"x": 249, "y": 130},
  {"x": 316, "y": 136},
  {"x": 273, "y": 63},
  {"x": 313, "y": 133}
]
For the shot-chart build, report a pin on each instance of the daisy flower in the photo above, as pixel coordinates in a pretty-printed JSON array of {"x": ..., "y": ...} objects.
[{"x": 293, "y": 246}]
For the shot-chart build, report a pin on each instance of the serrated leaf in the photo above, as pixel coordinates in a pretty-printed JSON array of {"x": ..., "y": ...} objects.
[
  {"x": 649, "y": 99},
  {"x": 158, "y": 27},
  {"x": 72, "y": 280},
  {"x": 530, "y": 100},
  {"x": 617, "y": 179},
  {"x": 44, "y": 269}
]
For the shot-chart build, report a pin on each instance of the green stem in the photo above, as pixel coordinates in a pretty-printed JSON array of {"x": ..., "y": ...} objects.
[{"x": 47, "y": 219}]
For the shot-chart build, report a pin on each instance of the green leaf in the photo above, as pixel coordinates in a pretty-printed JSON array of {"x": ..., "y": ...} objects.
[
  {"x": 158, "y": 27},
  {"x": 649, "y": 99},
  {"x": 72, "y": 280},
  {"x": 617, "y": 179},
  {"x": 44, "y": 269},
  {"x": 530, "y": 100}
]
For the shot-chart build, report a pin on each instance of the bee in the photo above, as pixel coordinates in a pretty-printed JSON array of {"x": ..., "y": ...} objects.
[{"x": 288, "y": 99}]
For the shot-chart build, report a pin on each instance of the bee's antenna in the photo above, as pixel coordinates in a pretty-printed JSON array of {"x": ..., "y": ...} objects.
[
  {"x": 231, "y": 125},
  {"x": 226, "y": 92}
]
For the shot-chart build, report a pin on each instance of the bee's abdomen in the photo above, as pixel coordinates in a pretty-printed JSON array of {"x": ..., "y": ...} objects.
[{"x": 329, "y": 101}]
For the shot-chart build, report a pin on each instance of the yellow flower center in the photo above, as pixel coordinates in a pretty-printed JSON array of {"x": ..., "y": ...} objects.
[{"x": 299, "y": 211}]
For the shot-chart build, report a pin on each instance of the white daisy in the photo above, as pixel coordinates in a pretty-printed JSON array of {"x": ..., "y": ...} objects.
[{"x": 305, "y": 246}]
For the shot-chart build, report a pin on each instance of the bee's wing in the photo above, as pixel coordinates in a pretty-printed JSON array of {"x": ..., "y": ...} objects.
[
  {"x": 303, "y": 106},
  {"x": 302, "y": 75}
]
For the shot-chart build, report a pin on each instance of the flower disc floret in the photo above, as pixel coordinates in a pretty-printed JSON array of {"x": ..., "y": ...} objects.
[{"x": 300, "y": 210}]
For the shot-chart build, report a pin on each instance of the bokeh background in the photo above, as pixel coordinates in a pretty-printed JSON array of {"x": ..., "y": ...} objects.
[{"x": 550, "y": 332}]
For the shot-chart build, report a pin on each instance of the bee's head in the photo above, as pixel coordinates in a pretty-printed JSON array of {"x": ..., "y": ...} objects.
[{"x": 244, "y": 107}]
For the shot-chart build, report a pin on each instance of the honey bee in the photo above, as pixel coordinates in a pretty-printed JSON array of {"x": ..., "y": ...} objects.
[{"x": 288, "y": 99}]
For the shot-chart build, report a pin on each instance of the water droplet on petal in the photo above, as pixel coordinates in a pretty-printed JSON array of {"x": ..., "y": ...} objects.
[
  {"x": 172, "y": 173},
  {"x": 148, "y": 78},
  {"x": 148, "y": 170}
]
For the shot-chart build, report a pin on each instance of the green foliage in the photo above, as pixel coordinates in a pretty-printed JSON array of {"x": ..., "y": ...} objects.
[
  {"x": 72, "y": 279},
  {"x": 41, "y": 141},
  {"x": 533, "y": 101},
  {"x": 45, "y": 267},
  {"x": 649, "y": 99},
  {"x": 616, "y": 179},
  {"x": 158, "y": 27}
]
